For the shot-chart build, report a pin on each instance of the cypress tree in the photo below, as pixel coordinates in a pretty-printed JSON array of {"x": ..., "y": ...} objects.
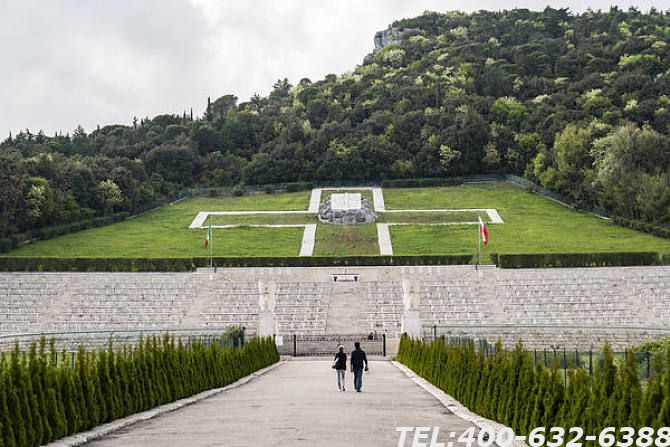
[
  {"x": 516, "y": 365},
  {"x": 576, "y": 399},
  {"x": 88, "y": 405},
  {"x": 37, "y": 371},
  {"x": 521, "y": 395},
  {"x": 553, "y": 398},
  {"x": 16, "y": 401},
  {"x": 72, "y": 398},
  {"x": 483, "y": 386},
  {"x": 652, "y": 398},
  {"x": 114, "y": 385},
  {"x": 663, "y": 418},
  {"x": 123, "y": 370},
  {"x": 506, "y": 387},
  {"x": 628, "y": 405},
  {"x": 604, "y": 385},
  {"x": 534, "y": 409},
  {"x": 55, "y": 400},
  {"x": 6, "y": 420}
]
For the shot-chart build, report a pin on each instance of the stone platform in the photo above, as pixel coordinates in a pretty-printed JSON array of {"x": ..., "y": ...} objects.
[{"x": 346, "y": 209}]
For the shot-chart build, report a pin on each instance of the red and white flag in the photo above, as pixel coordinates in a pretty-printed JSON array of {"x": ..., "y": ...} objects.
[
  {"x": 208, "y": 237},
  {"x": 484, "y": 234}
]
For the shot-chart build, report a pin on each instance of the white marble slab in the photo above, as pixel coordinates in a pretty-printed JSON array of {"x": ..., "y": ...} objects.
[{"x": 346, "y": 201}]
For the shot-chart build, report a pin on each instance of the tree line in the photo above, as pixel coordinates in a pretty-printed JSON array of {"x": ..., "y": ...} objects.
[
  {"x": 509, "y": 387},
  {"x": 576, "y": 102},
  {"x": 42, "y": 399}
]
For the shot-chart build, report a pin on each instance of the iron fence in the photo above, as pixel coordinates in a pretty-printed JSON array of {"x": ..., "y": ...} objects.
[
  {"x": 566, "y": 359},
  {"x": 327, "y": 345},
  {"x": 72, "y": 341}
]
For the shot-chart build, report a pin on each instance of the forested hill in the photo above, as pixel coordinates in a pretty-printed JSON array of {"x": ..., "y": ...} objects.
[{"x": 578, "y": 103}]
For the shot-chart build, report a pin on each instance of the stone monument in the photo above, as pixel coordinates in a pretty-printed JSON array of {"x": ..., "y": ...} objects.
[
  {"x": 411, "y": 318},
  {"x": 267, "y": 300},
  {"x": 346, "y": 209}
]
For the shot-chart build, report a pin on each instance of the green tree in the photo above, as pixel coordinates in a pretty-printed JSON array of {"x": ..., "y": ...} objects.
[
  {"x": 110, "y": 194},
  {"x": 574, "y": 174}
]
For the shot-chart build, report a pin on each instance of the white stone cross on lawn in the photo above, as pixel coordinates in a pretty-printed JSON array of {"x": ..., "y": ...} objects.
[{"x": 340, "y": 201}]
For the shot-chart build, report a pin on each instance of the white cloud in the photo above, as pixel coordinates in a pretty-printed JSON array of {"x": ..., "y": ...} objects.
[{"x": 72, "y": 62}]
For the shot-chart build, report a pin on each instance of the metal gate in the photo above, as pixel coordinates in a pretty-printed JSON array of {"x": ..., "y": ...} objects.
[{"x": 326, "y": 345}]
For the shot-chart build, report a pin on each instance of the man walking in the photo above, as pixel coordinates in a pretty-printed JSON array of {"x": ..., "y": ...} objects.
[{"x": 358, "y": 362}]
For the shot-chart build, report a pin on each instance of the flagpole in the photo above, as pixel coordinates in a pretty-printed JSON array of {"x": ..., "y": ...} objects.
[
  {"x": 211, "y": 237},
  {"x": 479, "y": 244}
]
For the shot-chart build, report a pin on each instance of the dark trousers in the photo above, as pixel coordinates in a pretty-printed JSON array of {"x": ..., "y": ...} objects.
[{"x": 358, "y": 379}]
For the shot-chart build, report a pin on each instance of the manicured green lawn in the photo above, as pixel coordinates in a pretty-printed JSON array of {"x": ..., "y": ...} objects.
[
  {"x": 265, "y": 219},
  {"x": 431, "y": 218},
  {"x": 346, "y": 240},
  {"x": 533, "y": 224},
  {"x": 164, "y": 232},
  {"x": 292, "y": 201}
]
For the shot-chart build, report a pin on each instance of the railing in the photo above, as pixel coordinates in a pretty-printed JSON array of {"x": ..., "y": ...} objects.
[
  {"x": 326, "y": 345},
  {"x": 565, "y": 359},
  {"x": 447, "y": 330},
  {"x": 71, "y": 341}
]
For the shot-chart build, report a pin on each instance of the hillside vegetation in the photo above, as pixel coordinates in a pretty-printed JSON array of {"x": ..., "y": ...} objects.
[{"x": 578, "y": 103}]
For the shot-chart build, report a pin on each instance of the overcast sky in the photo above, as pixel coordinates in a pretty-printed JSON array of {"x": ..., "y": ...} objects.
[{"x": 93, "y": 62}]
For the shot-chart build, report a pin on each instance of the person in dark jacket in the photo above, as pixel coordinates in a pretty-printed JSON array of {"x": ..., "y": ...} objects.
[
  {"x": 359, "y": 362},
  {"x": 340, "y": 365}
]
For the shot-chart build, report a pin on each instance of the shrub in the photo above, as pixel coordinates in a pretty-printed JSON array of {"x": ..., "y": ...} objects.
[
  {"x": 422, "y": 182},
  {"x": 646, "y": 227},
  {"x": 541, "y": 260},
  {"x": 6, "y": 244},
  {"x": 238, "y": 190},
  {"x": 298, "y": 186},
  {"x": 25, "y": 264},
  {"x": 508, "y": 387},
  {"x": 41, "y": 401}
]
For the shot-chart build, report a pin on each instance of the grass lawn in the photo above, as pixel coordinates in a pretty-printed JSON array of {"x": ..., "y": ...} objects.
[
  {"x": 432, "y": 218},
  {"x": 533, "y": 224},
  {"x": 268, "y": 219},
  {"x": 164, "y": 232},
  {"x": 346, "y": 240}
]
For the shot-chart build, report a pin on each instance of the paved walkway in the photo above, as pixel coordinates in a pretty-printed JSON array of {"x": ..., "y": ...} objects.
[
  {"x": 298, "y": 405},
  {"x": 384, "y": 239}
]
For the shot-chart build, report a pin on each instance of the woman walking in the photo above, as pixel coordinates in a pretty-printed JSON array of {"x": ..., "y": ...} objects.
[{"x": 340, "y": 366}]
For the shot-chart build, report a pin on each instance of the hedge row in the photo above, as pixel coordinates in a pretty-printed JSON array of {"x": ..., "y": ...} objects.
[
  {"x": 14, "y": 241},
  {"x": 46, "y": 264},
  {"x": 422, "y": 182},
  {"x": 646, "y": 227},
  {"x": 41, "y": 401},
  {"x": 334, "y": 261},
  {"x": 509, "y": 388},
  {"x": 541, "y": 260},
  {"x": 25, "y": 264}
]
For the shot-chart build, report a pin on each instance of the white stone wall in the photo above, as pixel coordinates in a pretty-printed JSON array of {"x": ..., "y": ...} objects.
[{"x": 545, "y": 307}]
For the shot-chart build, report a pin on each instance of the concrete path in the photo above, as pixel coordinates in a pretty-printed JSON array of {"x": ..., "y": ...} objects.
[
  {"x": 298, "y": 405},
  {"x": 314, "y": 200},
  {"x": 308, "y": 240},
  {"x": 384, "y": 239},
  {"x": 378, "y": 199}
]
